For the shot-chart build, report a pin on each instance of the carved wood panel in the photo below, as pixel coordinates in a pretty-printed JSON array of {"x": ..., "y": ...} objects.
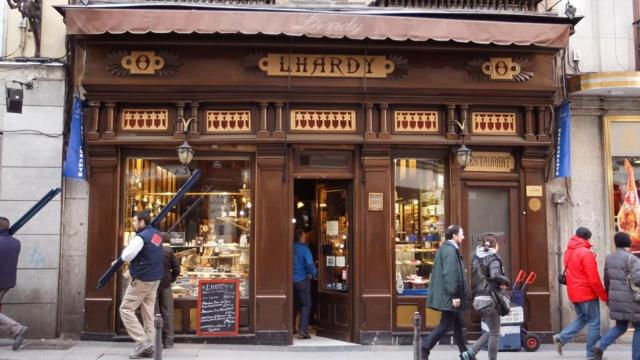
[
  {"x": 228, "y": 120},
  {"x": 323, "y": 120},
  {"x": 416, "y": 121},
  {"x": 494, "y": 123},
  {"x": 144, "y": 119}
]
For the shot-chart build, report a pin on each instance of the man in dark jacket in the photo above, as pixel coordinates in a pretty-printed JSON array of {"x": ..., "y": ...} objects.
[
  {"x": 164, "y": 302},
  {"x": 144, "y": 255},
  {"x": 447, "y": 291},
  {"x": 9, "y": 250},
  {"x": 584, "y": 288}
]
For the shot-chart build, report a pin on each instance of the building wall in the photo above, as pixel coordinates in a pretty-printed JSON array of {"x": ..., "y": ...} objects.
[
  {"x": 19, "y": 40},
  {"x": 30, "y": 166},
  {"x": 603, "y": 40}
]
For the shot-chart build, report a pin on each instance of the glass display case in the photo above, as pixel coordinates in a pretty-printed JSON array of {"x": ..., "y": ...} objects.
[
  {"x": 210, "y": 229},
  {"x": 419, "y": 221}
]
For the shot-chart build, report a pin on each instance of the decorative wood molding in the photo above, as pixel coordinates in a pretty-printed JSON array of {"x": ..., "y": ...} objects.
[
  {"x": 144, "y": 120},
  {"x": 227, "y": 121},
  {"x": 149, "y": 63},
  {"x": 501, "y": 69},
  {"x": 323, "y": 120},
  {"x": 94, "y": 119},
  {"x": 427, "y": 122},
  {"x": 494, "y": 123}
]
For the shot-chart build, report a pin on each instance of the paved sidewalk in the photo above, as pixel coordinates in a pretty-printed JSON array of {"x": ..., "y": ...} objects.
[{"x": 86, "y": 350}]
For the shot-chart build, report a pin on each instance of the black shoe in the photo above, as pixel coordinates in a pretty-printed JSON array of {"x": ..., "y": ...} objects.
[
  {"x": 19, "y": 338},
  {"x": 167, "y": 346},
  {"x": 466, "y": 355},
  {"x": 304, "y": 335},
  {"x": 597, "y": 353}
]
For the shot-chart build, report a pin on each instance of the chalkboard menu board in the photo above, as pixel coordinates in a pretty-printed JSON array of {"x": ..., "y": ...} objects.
[{"x": 218, "y": 304}]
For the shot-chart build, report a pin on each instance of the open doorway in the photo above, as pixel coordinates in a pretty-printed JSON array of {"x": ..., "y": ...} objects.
[{"x": 323, "y": 210}]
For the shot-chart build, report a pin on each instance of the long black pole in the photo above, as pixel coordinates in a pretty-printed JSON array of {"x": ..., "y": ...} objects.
[
  {"x": 163, "y": 213},
  {"x": 33, "y": 211}
]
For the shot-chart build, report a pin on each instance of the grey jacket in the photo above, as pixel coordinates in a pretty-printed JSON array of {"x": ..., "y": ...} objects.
[{"x": 622, "y": 306}]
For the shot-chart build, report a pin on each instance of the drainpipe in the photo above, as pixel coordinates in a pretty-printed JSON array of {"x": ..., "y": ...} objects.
[{"x": 558, "y": 199}]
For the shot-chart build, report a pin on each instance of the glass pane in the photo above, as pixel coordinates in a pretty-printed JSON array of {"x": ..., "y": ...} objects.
[
  {"x": 419, "y": 221},
  {"x": 623, "y": 182},
  {"x": 209, "y": 229},
  {"x": 334, "y": 233},
  {"x": 489, "y": 213}
]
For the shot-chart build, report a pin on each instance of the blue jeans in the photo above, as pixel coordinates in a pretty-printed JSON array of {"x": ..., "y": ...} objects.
[
  {"x": 617, "y": 331},
  {"x": 303, "y": 294},
  {"x": 587, "y": 314}
]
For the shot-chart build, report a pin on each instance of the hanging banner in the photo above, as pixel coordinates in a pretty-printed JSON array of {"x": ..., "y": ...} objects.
[
  {"x": 563, "y": 147},
  {"x": 74, "y": 165}
]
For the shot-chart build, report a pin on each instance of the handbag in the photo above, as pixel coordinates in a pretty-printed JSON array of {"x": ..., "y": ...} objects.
[
  {"x": 502, "y": 301},
  {"x": 562, "y": 278},
  {"x": 635, "y": 289}
]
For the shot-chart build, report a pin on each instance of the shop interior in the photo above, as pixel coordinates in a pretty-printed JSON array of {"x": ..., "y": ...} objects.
[{"x": 210, "y": 230}]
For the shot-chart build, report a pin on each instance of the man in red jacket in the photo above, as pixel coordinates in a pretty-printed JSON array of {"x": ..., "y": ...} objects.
[{"x": 584, "y": 288}]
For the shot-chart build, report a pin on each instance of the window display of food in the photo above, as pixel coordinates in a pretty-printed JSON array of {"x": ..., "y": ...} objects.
[
  {"x": 419, "y": 220},
  {"x": 210, "y": 230}
]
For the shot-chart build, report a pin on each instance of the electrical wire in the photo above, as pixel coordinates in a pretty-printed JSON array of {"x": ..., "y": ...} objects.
[{"x": 31, "y": 131}]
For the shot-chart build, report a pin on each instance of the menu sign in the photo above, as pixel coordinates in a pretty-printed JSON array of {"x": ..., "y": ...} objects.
[{"x": 218, "y": 304}]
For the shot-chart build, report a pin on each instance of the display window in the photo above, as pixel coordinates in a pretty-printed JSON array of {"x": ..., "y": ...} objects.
[
  {"x": 419, "y": 221},
  {"x": 210, "y": 229},
  {"x": 624, "y": 175}
]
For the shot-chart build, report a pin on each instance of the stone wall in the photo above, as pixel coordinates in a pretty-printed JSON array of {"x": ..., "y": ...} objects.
[
  {"x": 30, "y": 166},
  {"x": 586, "y": 192}
]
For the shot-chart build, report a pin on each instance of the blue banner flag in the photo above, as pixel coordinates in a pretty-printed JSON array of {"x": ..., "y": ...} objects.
[
  {"x": 74, "y": 165},
  {"x": 563, "y": 148}
]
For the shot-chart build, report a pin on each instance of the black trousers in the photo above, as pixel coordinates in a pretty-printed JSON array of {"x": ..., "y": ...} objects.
[
  {"x": 164, "y": 307},
  {"x": 303, "y": 296},
  {"x": 447, "y": 319}
]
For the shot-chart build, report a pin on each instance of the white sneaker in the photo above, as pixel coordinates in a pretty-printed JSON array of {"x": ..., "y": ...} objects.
[{"x": 558, "y": 344}]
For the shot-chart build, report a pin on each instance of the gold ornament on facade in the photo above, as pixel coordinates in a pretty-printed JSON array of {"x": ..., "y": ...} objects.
[
  {"x": 494, "y": 123},
  {"x": 126, "y": 63},
  {"x": 500, "y": 69},
  {"x": 323, "y": 120},
  {"x": 416, "y": 121},
  {"x": 228, "y": 121},
  {"x": 145, "y": 119},
  {"x": 534, "y": 204}
]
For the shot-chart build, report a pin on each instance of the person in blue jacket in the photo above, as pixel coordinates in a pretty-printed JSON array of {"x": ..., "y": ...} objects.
[
  {"x": 9, "y": 251},
  {"x": 303, "y": 271}
]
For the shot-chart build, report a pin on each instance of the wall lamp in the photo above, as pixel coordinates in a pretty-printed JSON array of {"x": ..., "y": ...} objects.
[{"x": 463, "y": 153}]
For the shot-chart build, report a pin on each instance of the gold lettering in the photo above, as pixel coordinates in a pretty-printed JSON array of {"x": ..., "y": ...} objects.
[
  {"x": 282, "y": 64},
  {"x": 335, "y": 64},
  {"x": 318, "y": 62}
]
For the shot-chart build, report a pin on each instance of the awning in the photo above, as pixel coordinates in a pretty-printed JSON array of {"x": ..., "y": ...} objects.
[{"x": 334, "y": 25}]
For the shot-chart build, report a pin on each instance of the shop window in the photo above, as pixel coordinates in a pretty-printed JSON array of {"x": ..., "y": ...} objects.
[
  {"x": 419, "y": 221},
  {"x": 624, "y": 160},
  {"x": 209, "y": 230}
]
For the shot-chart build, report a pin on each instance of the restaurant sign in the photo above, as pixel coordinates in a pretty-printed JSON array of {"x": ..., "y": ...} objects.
[
  {"x": 343, "y": 66},
  {"x": 491, "y": 162}
]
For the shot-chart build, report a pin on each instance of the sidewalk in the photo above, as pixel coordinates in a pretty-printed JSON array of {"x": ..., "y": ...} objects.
[{"x": 85, "y": 350}]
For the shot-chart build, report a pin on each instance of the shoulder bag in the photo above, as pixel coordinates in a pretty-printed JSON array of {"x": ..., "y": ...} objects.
[
  {"x": 562, "y": 278},
  {"x": 635, "y": 289},
  {"x": 501, "y": 300}
]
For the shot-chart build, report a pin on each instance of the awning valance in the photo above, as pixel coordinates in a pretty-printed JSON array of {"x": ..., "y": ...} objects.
[{"x": 355, "y": 26}]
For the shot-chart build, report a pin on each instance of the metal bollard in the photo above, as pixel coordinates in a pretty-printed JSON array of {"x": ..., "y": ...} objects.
[
  {"x": 417, "y": 340},
  {"x": 157, "y": 322}
]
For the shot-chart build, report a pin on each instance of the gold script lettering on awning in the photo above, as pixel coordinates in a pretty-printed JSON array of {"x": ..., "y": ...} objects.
[{"x": 307, "y": 65}]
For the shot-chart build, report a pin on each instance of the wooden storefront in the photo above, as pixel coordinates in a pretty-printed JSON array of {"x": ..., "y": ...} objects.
[{"x": 335, "y": 121}]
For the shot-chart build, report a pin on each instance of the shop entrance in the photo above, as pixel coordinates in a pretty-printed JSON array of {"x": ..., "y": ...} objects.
[{"x": 323, "y": 210}]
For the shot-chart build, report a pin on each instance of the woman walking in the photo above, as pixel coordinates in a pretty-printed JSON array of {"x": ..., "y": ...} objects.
[
  {"x": 622, "y": 306},
  {"x": 487, "y": 276}
]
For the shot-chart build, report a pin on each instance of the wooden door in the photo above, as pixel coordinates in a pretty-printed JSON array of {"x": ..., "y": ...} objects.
[
  {"x": 335, "y": 268},
  {"x": 491, "y": 207}
]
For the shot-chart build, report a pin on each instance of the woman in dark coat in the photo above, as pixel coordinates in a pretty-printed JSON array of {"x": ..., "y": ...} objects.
[
  {"x": 622, "y": 306},
  {"x": 487, "y": 276}
]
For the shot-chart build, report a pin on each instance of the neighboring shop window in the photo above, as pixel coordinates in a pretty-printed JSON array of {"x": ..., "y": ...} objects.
[
  {"x": 209, "y": 229},
  {"x": 419, "y": 221},
  {"x": 624, "y": 150}
]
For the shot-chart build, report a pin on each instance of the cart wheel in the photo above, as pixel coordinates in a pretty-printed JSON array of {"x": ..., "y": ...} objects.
[{"x": 531, "y": 342}]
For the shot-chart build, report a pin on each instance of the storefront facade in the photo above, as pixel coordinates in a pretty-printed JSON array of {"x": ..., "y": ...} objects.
[{"x": 352, "y": 140}]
